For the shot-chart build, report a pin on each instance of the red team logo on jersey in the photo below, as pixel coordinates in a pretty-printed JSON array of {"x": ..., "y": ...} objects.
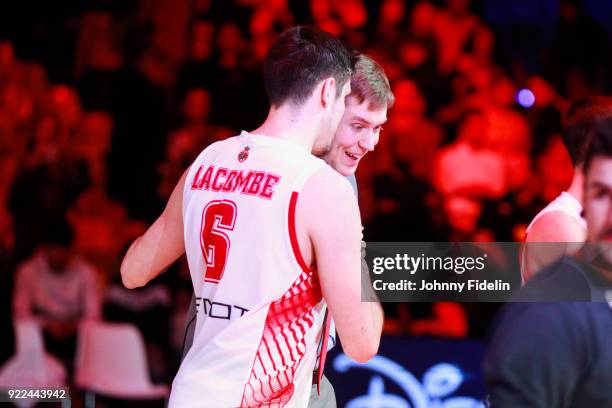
[
  {"x": 218, "y": 216},
  {"x": 243, "y": 155}
]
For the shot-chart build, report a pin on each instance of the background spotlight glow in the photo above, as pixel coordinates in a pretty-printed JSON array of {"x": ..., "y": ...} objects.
[{"x": 525, "y": 98}]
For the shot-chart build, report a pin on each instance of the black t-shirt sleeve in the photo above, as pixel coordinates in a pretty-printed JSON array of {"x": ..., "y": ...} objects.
[
  {"x": 536, "y": 356},
  {"x": 562, "y": 281}
]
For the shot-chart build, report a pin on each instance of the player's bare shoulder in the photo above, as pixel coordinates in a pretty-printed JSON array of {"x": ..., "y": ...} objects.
[
  {"x": 556, "y": 226},
  {"x": 328, "y": 185},
  {"x": 329, "y": 207}
]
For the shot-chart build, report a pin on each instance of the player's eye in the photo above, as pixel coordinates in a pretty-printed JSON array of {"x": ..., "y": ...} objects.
[
  {"x": 600, "y": 193},
  {"x": 358, "y": 127}
]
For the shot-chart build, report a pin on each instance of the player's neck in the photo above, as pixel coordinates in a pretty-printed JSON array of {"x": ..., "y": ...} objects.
[
  {"x": 575, "y": 189},
  {"x": 289, "y": 124}
]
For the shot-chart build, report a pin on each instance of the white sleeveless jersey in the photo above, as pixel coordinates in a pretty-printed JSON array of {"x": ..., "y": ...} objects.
[
  {"x": 260, "y": 309},
  {"x": 565, "y": 203}
]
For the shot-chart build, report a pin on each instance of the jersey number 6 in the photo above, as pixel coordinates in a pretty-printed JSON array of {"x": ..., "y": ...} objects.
[{"x": 217, "y": 217}]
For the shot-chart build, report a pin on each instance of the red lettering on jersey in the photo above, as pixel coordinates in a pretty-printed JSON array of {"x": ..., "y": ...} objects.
[
  {"x": 227, "y": 187},
  {"x": 267, "y": 191},
  {"x": 221, "y": 172},
  {"x": 242, "y": 181},
  {"x": 194, "y": 183},
  {"x": 205, "y": 182},
  {"x": 256, "y": 183}
]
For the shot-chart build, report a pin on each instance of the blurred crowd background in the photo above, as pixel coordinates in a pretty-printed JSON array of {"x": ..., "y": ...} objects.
[{"x": 103, "y": 104}]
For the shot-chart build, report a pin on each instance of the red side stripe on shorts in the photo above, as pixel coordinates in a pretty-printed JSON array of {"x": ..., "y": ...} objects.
[{"x": 292, "y": 234}]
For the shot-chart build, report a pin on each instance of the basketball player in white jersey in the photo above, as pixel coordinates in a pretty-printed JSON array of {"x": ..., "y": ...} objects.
[
  {"x": 357, "y": 134},
  {"x": 272, "y": 236},
  {"x": 559, "y": 228}
]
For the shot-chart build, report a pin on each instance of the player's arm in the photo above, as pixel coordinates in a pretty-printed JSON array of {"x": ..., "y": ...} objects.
[
  {"x": 161, "y": 245},
  {"x": 329, "y": 207},
  {"x": 552, "y": 236}
]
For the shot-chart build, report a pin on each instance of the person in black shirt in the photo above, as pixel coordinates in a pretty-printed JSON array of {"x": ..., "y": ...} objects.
[{"x": 551, "y": 346}]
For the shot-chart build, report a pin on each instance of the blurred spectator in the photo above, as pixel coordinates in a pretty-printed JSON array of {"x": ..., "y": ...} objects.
[
  {"x": 392, "y": 15},
  {"x": 58, "y": 287},
  {"x": 464, "y": 177},
  {"x": 166, "y": 20},
  {"x": 497, "y": 129},
  {"x": 102, "y": 228},
  {"x": 49, "y": 181},
  {"x": 418, "y": 52},
  {"x": 267, "y": 21},
  {"x": 185, "y": 143},
  {"x": 414, "y": 138},
  {"x": 98, "y": 45},
  {"x": 237, "y": 91},
  {"x": 98, "y": 57},
  {"x": 453, "y": 26},
  {"x": 481, "y": 173},
  {"x": 324, "y": 17},
  {"x": 199, "y": 69},
  {"x": 64, "y": 103},
  {"x": 92, "y": 144}
]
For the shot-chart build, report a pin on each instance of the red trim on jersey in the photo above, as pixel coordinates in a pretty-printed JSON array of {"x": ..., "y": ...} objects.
[
  {"x": 293, "y": 235},
  {"x": 278, "y": 356}
]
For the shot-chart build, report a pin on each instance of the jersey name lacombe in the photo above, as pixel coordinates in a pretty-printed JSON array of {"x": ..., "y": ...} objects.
[{"x": 252, "y": 182}]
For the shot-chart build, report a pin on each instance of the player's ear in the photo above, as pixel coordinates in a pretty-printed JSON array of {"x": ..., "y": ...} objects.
[{"x": 328, "y": 92}]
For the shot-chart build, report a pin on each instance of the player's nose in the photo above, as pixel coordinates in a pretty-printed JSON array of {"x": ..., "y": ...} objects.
[{"x": 367, "y": 142}]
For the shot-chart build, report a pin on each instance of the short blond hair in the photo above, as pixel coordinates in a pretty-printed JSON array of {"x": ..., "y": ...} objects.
[{"x": 369, "y": 83}]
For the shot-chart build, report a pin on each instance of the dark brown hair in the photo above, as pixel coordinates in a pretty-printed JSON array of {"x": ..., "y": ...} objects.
[
  {"x": 601, "y": 141},
  {"x": 579, "y": 125},
  {"x": 301, "y": 58}
]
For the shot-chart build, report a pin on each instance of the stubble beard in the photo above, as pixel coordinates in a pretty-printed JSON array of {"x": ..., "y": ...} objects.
[{"x": 322, "y": 151}]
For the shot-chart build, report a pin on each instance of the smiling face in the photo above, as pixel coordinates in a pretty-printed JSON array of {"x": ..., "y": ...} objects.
[
  {"x": 597, "y": 195},
  {"x": 598, "y": 200},
  {"x": 357, "y": 134},
  {"x": 598, "y": 209}
]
